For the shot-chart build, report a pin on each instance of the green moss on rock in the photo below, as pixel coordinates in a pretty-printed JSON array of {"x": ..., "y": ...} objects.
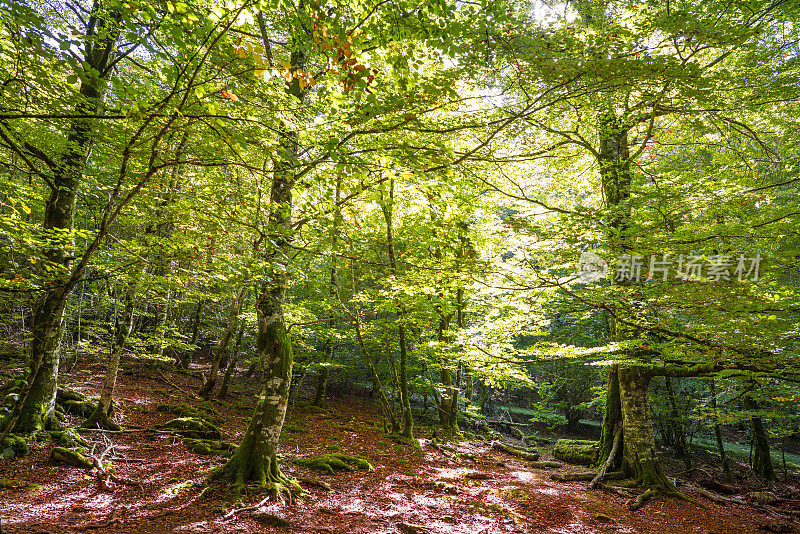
[
  {"x": 335, "y": 462},
  {"x": 73, "y": 458},
  {"x": 576, "y": 451},
  {"x": 183, "y": 410},
  {"x": 13, "y": 446},
  {"x": 193, "y": 427},
  {"x": 209, "y": 447}
]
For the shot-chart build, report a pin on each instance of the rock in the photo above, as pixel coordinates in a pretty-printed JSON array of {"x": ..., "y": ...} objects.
[
  {"x": 13, "y": 446},
  {"x": 66, "y": 456},
  {"x": 576, "y": 451},
  {"x": 193, "y": 427}
]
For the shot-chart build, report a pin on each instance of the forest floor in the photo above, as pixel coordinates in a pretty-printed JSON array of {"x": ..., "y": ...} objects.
[{"x": 478, "y": 491}]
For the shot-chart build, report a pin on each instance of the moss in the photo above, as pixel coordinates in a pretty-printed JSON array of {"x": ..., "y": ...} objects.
[
  {"x": 335, "y": 462},
  {"x": 182, "y": 410},
  {"x": 209, "y": 447},
  {"x": 13, "y": 446},
  {"x": 193, "y": 427},
  {"x": 334, "y": 447},
  {"x": 293, "y": 427},
  {"x": 576, "y": 451},
  {"x": 68, "y": 437},
  {"x": 313, "y": 409},
  {"x": 73, "y": 458},
  {"x": 12, "y": 484},
  {"x": 78, "y": 408}
]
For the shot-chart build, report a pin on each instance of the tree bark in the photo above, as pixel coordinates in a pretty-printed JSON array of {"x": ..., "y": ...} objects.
[
  {"x": 762, "y": 461},
  {"x": 256, "y": 457},
  {"x": 639, "y": 451},
  {"x": 36, "y": 404}
]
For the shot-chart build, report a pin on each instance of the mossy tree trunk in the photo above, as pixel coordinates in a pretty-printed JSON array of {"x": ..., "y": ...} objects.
[
  {"x": 639, "y": 449},
  {"x": 36, "y": 404},
  {"x": 762, "y": 461},
  {"x": 612, "y": 417},
  {"x": 256, "y": 457}
]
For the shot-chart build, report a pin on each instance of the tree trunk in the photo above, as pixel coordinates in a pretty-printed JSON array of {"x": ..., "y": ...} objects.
[
  {"x": 726, "y": 468},
  {"x": 100, "y": 416},
  {"x": 405, "y": 402},
  {"x": 256, "y": 457},
  {"x": 612, "y": 417},
  {"x": 211, "y": 379},
  {"x": 639, "y": 450},
  {"x": 36, "y": 404},
  {"x": 676, "y": 421},
  {"x": 234, "y": 359},
  {"x": 762, "y": 461}
]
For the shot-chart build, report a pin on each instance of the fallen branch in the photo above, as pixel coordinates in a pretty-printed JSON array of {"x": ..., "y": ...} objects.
[{"x": 710, "y": 495}]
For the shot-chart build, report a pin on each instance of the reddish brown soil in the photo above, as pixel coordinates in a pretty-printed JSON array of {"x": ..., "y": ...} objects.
[{"x": 511, "y": 499}]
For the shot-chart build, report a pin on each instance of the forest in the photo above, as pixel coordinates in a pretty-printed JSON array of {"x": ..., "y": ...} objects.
[{"x": 399, "y": 266}]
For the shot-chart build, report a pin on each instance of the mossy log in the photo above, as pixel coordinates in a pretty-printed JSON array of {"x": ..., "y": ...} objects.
[
  {"x": 209, "y": 447},
  {"x": 66, "y": 456},
  {"x": 193, "y": 427},
  {"x": 335, "y": 462},
  {"x": 576, "y": 451},
  {"x": 514, "y": 451},
  {"x": 13, "y": 446},
  {"x": 64, "y": 394}
]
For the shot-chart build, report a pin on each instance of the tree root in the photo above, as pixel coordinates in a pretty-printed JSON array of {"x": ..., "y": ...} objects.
[
  {"x": 275, "y": 492},
  {"x": 100, "y": 419},
  {"x": 609, "y": 460}
]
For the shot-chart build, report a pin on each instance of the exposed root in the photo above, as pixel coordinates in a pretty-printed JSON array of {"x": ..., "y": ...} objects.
[
  {"x": 609, "y": 460},
  {"x": 100, "y": 419},
  {"x": 640, "y": 500}
]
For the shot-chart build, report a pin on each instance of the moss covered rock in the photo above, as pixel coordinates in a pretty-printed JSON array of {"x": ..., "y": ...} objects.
[
  {"x": 68, "y": 437},
  {"x": 183, "y": 410},
  {"x": 76, "y": 407},
  {"x": 193, "y": 427},
  {"x": 73, "y": 458},
  {"x": 209, "y": 447},
  {"x": 576, "y": 451},
  {"x": 335, "y": 462},
  {"x": 13, "y": 446}
]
